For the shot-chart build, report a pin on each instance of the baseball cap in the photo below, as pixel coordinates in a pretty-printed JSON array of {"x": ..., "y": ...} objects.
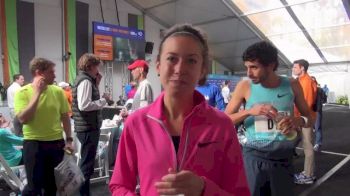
[
  {"x": 63, "y": 84},
  {"x": 138, "y": 63}
]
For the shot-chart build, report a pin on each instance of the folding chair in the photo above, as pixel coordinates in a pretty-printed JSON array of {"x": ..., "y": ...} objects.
[
  {"x": 103, "y": 161},
  {"x": 8, "y": 174}
]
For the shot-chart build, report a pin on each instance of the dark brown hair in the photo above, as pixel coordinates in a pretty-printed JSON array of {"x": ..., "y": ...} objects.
[
  {"x": 40, "y": 64},
  {"x": 195, "y": 33},
  {"x": 88, "y": 60},
  {"x": 264, "y": 52},
  {"x": 302, "y": 63}
]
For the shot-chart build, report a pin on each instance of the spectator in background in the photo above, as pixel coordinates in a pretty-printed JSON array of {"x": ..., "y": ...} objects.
[
  {"x": 132, "y": 92},
  {"x": 86, "y": 107},
  {"x": 212, "y": 94},
  {"x": 68, "y": 93},
  {"x": 144, "y": 93},
  {"x": 309, "y": 87},
  {"x": 225, "y": 91},
  {"x": 320, "y": 99},
  {"x": 43, "y": 110},
  {"x": 8, "y": 141},
  {"x": 326, "y": 91},
  {"x": 18, "y": 82}
]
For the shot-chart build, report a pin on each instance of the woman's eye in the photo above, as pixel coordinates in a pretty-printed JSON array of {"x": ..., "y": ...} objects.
[
  {"x": 171, "y": 59},
  {"x": 192, "y": 61}
]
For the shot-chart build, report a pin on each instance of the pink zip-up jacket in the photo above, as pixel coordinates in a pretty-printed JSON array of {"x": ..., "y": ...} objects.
[{"x": 208, "y": 147}]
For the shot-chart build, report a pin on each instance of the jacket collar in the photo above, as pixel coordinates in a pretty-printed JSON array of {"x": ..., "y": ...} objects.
[
  {"x": 88, "y": 75},
  {"x": 156, "y": 109}
]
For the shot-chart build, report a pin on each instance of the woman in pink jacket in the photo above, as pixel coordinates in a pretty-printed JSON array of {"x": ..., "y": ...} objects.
[{"x": 179, "y": 145}]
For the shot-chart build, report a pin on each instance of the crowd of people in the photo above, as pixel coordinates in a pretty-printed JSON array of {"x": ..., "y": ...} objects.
[{"x": 184, "y": 141}]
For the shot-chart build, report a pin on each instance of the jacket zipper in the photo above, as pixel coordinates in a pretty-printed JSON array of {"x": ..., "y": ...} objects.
[{"x": 178, "y": 167}]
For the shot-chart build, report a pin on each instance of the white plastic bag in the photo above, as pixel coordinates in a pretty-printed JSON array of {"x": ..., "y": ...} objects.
[{"x": 68, "y": 176}]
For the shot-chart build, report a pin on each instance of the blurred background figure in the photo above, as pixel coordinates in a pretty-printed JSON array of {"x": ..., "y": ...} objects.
[
  {"x": 131, "y": 93},
  {"x": 225, "y": 91},
  {"x": 18, "y": 82},
  {"x": 8, "y": 141},
  {"x": 309, "y": 87},
  {"x": 326, "y": 90},
  {"x": 321, "y": 98},
  {"x": 68, "y": 93},
  {"x": 86, "y": 107},
  {"x": 144, "y": 93},
  {"x": 212, "y": 94}
]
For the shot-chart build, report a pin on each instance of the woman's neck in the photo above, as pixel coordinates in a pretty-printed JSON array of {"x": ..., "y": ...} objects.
[
  {"x": 176, "y": 110},
  {"x": 178, "y": 106}
]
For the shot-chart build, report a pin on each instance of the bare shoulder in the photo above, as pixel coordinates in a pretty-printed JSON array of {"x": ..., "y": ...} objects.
[{"x": 243, "y": 84}]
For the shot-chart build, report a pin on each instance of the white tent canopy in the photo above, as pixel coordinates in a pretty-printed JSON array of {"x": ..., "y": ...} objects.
[{"x": 316, "y": 30}]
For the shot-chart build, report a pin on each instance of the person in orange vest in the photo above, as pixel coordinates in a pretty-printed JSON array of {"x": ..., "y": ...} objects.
[{"x": 68, "y": 93}]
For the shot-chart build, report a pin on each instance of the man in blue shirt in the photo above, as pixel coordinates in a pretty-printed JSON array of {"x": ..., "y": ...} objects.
[{"x": 213, "y": 95}]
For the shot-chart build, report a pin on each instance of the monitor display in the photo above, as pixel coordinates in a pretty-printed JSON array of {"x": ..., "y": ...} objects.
[{"x": 118, "y": 43}]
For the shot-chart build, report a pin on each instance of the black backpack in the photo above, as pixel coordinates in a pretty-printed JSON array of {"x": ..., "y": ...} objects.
[{"x": 323, "y": 96}]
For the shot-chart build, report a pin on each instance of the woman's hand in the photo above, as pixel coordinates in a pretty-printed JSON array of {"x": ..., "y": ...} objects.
[{"x": 184, "y": 182}]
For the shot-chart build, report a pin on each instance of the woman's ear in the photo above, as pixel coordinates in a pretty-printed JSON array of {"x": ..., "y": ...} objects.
[{"x": 158, "y": 67}]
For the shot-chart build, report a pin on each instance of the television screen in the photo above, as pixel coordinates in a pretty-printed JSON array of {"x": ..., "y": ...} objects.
[{"x": 113, "y": 42}]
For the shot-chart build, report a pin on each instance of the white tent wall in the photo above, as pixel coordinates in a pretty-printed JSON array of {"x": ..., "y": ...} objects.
[
  {"x": 337, "y": 82},
  {"x": 48, "y": 33}
]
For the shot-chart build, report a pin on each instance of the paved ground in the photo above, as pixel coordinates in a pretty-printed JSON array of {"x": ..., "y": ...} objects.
[{"x": 333, "y": 164}]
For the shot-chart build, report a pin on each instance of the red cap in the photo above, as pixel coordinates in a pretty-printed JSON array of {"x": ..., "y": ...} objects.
[{"x": 138, "y": 63}]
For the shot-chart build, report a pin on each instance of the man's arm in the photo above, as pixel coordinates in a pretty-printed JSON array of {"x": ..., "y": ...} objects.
[
  {"x": 85, "y": 102},
  {"x": 28, "y": 112},
  {"x": 301, "y": 104},
  {"x": 67, "y": 130},
  {"x": 65, "y": 119},
  {"x": 236, "y": 101},
  {"x": 66, "y": 124}
]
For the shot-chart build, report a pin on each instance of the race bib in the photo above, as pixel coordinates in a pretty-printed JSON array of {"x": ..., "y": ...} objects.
[
  {"x": 264, "y": 124},
  {"x": 267, "y": 125}
]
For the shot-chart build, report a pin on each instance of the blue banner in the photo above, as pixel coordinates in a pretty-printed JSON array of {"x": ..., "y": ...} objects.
[
  {"x": 218, "y": 80},
  {"x": 118, "y": 31}
]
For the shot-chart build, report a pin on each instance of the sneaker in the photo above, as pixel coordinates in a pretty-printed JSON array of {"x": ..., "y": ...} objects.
[
  {"x": 317, "y": 147},
  {"x": 301, "y": 178}
]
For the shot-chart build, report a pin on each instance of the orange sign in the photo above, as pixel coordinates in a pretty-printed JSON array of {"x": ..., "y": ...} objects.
[{"x": 103, "y": 47}]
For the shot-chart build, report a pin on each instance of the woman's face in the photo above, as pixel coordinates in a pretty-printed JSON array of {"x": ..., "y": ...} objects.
[{"x": 180, "y": 65}]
